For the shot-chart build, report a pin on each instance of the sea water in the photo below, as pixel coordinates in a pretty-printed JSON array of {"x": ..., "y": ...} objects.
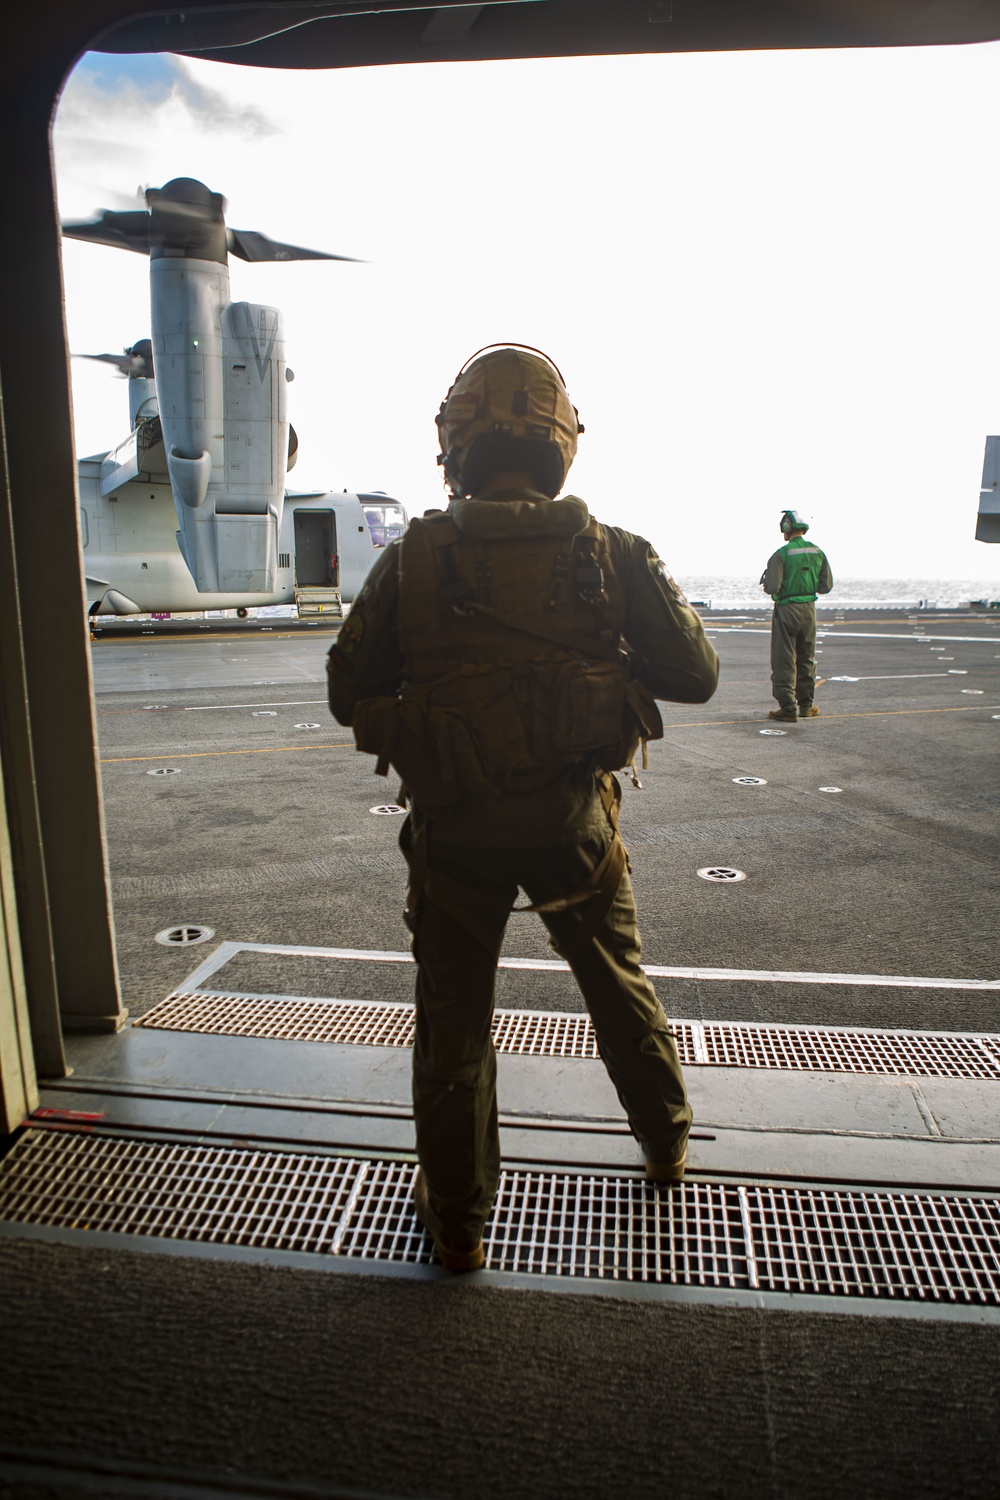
[{"x": 849, "y": 593}]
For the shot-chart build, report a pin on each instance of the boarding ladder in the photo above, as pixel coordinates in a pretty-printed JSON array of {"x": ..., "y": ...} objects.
[{"x": 317, "y": 599}]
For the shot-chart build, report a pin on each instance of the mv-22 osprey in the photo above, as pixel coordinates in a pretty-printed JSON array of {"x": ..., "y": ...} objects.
[{"x": 190, "y": 511}]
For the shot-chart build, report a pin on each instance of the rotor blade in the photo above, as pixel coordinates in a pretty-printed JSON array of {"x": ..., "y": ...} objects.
[
  {"x": 122, "y": 231},
  {"x": 121, "y": 362},
  {"x": 136, "y": 361},
  {"x": 249, "y": 245}
]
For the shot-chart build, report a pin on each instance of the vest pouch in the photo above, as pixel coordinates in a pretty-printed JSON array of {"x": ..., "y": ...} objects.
[
  {"x": 398, "y": 733},
  {"x": 459, "y": 768},
  {"x": 475, "y": 723},
  {"x": 461, "y": 735},
  {"x": 578, "y": 708},
  {"x": 640, "y": 721},
  {"x": 375, "y": 723}
]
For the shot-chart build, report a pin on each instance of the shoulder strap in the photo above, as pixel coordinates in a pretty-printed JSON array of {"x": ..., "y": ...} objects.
[{"x": 441, "y": 536}]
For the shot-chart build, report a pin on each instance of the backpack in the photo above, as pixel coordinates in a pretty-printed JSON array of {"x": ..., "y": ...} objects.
[{"x": 510, "y": 623}]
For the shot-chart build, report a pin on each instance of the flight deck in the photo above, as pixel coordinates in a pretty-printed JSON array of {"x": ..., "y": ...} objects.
[
  {"x": 211, "y": 1216},
  {"x": 817, "y": 906}
]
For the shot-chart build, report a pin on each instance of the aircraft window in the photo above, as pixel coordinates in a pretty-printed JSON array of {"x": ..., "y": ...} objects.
[
  {"x": 376, "y": 525},
  {"x": 385, "y": 522}
]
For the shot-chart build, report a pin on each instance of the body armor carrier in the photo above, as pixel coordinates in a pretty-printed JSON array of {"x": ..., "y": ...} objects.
[{"x": 510, "y": 623}]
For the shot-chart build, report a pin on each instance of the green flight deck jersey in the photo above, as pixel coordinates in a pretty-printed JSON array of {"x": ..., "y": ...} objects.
[{"x": 797, "y": 572}]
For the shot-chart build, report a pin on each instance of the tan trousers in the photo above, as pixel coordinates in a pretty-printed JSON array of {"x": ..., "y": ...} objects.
[
  {"x": 454, "y": 1065},
  {"x": 793, "y": 654}
]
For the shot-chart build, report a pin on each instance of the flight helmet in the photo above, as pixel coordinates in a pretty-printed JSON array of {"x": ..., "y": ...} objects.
[
  {"x": 507, "y": 409},
  {"x": 792, "y": 521}
]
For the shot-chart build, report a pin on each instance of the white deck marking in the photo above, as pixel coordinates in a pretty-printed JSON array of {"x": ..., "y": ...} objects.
[
  {"x": 226, "y": 951},
  {"x": 866, "y": 635},
  {"x": 207, "y": 708},
  {"x": 892, "y": 677}
]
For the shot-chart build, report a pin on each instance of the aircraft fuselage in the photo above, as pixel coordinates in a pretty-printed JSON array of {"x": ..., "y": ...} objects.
[{"x": 130, "y": 550}]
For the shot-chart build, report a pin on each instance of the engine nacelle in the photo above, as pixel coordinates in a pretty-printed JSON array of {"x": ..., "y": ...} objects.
[{"x": 220, "y": 384}]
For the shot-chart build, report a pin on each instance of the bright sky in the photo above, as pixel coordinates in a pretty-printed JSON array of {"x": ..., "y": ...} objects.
[{"x": 769, "y": 279}]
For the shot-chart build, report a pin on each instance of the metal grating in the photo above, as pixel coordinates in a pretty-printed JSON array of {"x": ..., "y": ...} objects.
[
  {"x": 815, "y": 1049},
  {"x": 729, "y": 1044},
  {"x": 928, "y": 1247},
  {"x": 874, "y": 1244},
  {"x": 362, "y": 1022},
  {"x": 288, "y": 1020},
  {"x": 618, "y": 1228},
  {"x": 126, "y": 1185}
]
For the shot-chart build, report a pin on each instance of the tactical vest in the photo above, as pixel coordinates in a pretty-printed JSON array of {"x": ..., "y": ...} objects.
[{"x": 510, "y": 622}]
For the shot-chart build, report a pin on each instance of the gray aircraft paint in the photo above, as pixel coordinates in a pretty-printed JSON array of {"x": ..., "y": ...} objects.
[
  {"x": 130, "y": 546},
  {"x": 190, "y": 512}
]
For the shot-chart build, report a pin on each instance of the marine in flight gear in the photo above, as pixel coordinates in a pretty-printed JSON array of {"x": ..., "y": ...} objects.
[
  {"x": 794, "y": 576},
  {"x": 504, "y": 657}
]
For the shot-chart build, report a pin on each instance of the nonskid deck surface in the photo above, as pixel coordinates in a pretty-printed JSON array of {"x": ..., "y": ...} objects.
[{"x": 867, "y": 836}]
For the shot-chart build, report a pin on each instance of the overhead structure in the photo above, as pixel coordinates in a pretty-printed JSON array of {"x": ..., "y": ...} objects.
[{"x": 295, "y": 34}]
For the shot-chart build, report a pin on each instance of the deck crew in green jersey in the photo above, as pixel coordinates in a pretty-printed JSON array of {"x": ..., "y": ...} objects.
[
  {"x": 504, "y": 656},
  {"x": 794, "y": 576}
]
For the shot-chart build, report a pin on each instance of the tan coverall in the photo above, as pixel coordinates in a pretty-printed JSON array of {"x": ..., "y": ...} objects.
[{"x": 548, "y": 841}]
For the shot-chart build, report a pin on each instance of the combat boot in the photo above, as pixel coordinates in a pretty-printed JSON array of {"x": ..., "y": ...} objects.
[
  {"x": 469, "y": 1256},
  {"x": 808, "y": 710},
  {"x": 788, "y": 715},
  {"x": 668, "y": 1172}
]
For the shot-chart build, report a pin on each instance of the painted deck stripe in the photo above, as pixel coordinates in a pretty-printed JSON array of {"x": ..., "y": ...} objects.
[
  {"x": 226, "y": 951},
  {"x": 119, "y": 760},
  {"x": 863, "y": 635},
  {"x": 186, "y": 637},
  {"x": 201, "y": 708},
  {"x": 210, "y": 708}
]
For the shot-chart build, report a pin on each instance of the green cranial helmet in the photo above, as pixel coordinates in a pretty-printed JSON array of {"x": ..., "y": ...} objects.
[
  {"x": 792, "y": 521},
  {"x": 507, "y": 410}
]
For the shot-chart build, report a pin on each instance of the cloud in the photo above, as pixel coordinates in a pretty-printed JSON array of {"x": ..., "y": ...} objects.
[
  {"x": 132, "y": 120},
  {"x": 210, "y": 107},
  {"x": 124, "y": 91}
]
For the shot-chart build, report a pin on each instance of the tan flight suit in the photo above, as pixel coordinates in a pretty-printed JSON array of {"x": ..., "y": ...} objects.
[{"x": 439, "y": 607}]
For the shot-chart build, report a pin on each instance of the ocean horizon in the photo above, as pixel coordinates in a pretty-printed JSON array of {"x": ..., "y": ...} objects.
[
  {"x": 848, "y": 593},
  {"x": 718, "y": 592}
]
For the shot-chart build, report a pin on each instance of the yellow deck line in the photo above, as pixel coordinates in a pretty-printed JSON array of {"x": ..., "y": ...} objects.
[
  {"x": 186, "y": 636},
  {"x": 117, "y": 760}
]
